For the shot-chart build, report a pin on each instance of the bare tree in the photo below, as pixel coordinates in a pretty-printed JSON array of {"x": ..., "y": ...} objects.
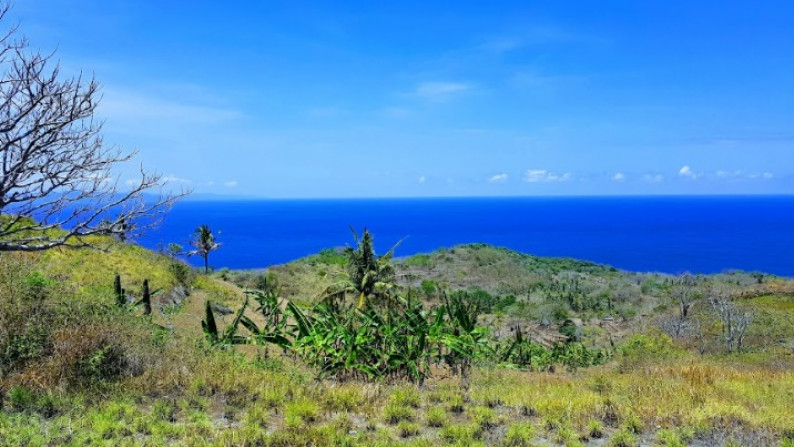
[
  {"x": 734, "y": 321},
  {"x": 685, "y": 291},
  {"x": 57, "y": 184}
]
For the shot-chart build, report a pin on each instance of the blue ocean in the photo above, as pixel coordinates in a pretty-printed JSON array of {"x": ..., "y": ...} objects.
[{"x": 662, "y": 234}]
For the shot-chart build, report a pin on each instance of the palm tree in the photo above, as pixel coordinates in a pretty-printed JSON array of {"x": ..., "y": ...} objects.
[
  {"x": 203, "y": 242},
  {"x": 368, "y": 275}
]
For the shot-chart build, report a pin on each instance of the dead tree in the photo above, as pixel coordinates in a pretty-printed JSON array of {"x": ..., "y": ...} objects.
[
  {"x": 734, "y": 321},
  {"x": 57, "y": 179},
  {"x": 685, "y": 291}
]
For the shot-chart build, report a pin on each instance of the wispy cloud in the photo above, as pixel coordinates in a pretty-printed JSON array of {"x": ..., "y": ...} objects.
[
  {"x": 653, "y": 178},
  {"x": 174, "y": 179},
  {"x": 230, "y": 184},
  {"x": 120, "y": 105},
  {"x": 619, "y": 177},
  {"x": 743, "y": 175},
  {"x": 422, "y": 179},
  {"x": 498, "y": 178},
  {"x": 441, "y": 91},
  {"x": 535, "y": 35},
  {"x": 544, "y": 176}
]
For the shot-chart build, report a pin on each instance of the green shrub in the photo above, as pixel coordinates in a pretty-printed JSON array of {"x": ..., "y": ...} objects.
[
  {"x": 623, "y": 438},
  {"x": 395, "y": 413},
  {"x": 436, "y": 417},
  {"x": 329, "y": 256},
  {"x": 36, "y": 286},
  {"x": 428, "y": 287},
  {"x": 595, "y": 429},
  {"x": 21, "y": 398},
  {"x": 669, "y": 438},
  {"x": 641, "y": 347},
  {"x": 461, "y": 434},
  {"x": 407, "y": 429}
]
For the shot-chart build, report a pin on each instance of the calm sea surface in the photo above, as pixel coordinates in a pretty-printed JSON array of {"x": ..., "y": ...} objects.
[{"x": 666, "y": 234}]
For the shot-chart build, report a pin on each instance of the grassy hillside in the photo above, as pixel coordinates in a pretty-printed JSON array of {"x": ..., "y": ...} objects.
[{"x": 76, "y": 369}]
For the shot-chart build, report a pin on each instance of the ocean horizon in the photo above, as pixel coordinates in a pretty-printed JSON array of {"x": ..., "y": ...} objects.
[{"x": 669, "y": 234}]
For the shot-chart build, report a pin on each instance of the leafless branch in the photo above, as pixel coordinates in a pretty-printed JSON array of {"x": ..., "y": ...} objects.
[{"x": 57, "y": 181}]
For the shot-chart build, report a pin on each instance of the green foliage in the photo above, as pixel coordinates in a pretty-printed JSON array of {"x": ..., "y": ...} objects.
[
  {"x": 638, "y": 348},
  {"x": 428, "y": 287},
  {"x": 519, "y": 434},
  {"x": 570, "y": 331},
  {"x": 436, "y": 417},
  {"x": 420, "y": 260},
  {"x": 623, "y": 438},
  {"x": 329, "y": 256},
  {"x": 595, "y": 429},
  {"x": 36, "y": 285},
  {"x": 230, "y": 335},
  {"x": 370, "y": 278},
  {"x": 484, "y": 301},
  {"x": 106, "y": 363},
  {"x": 21, "y": 398},
  {"x": 394, "y": 413},
  {"x": 521, "y": 352},
  {"x": 503, "y": 304}
]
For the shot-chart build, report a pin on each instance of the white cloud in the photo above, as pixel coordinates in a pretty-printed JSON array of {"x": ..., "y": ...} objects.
[
  {"x": 543, "y": 176},
  {"x": 618, "y": 177},
  {"x": 653, "y": 178},
  {"x": 440, "y": 91},
  {"x": 767, "y": 175},
  {"x": 174, "y": 179},
  {"x": 687, "y": 171},
  {"x": 422, "y": 179},
  {"x": 498, "y": 178},
  {"x": 230, "y": 184}
]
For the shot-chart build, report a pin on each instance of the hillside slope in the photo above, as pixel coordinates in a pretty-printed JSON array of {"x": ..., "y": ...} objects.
[{"x": 78, "y": 370}]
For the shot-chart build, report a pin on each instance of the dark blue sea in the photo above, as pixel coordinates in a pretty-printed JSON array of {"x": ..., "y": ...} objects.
[{"x": 664, "y": 234}]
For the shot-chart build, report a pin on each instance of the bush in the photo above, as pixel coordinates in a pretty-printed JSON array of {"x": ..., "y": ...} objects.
[
  {"x": 639, "y": 348},
  {"x": 26, "y": 318},
  {"x": 89, "y": 355},
  {"x": 429, "y": 287},
  {"x": 36, "y": 286}
]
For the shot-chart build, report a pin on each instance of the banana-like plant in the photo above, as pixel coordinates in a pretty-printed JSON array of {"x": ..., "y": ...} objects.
[
  {"x": 382, "y": 335},
  {"x": 229, "y": 336}
]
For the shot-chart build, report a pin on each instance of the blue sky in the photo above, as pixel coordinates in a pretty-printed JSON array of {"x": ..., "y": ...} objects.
[{"x": 469, "y": 98}]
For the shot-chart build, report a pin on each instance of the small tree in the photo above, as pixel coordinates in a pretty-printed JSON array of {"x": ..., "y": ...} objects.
[
  {"x": 204, "y": 243},
  {"x": 57, "y": 184}
]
